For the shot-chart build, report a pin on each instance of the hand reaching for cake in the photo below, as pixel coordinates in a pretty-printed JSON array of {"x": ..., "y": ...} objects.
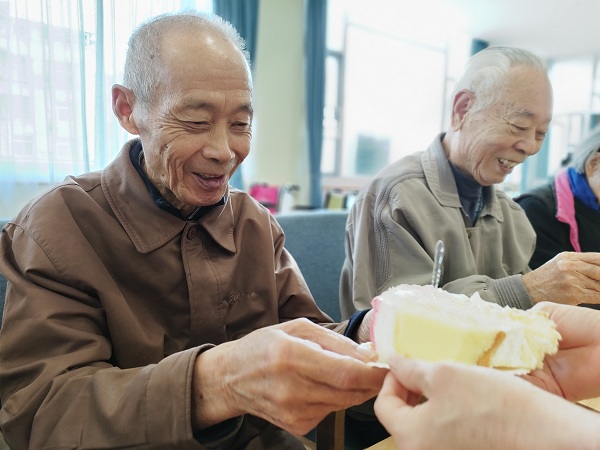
[
  {"x": 569, "y": 278},
  {"x": 475, "y": 407},
  {"x": 574, "y": 371},
  {"x": 292, "y": 374}
]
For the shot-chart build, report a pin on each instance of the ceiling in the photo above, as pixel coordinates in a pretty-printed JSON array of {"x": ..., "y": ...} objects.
[{"x": 553, "y": 29}]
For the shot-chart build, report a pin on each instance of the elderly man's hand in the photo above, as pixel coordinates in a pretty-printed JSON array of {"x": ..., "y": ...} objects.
[
  {"x": 569, "y": 278},
  {"x": 292, "y": 374}
]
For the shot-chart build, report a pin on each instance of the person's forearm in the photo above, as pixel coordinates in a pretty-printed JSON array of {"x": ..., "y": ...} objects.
[
  {"x": 211, "y": 402},
  {"x": 592, "y": 425},
  {"x": 507, "y": 291},
  {"x": 556, "y": 424},
  {"x": 106, "y": 407},
  {"x": 575, "y": 427}
]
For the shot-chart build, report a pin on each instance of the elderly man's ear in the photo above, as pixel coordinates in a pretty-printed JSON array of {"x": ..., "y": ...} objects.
[
  {"x": 463, "y": 101},
  {"x": 122, "y": 104}
]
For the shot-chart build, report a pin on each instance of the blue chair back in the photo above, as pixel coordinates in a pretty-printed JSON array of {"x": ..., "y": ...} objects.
[{"x": 315, "y": 238}]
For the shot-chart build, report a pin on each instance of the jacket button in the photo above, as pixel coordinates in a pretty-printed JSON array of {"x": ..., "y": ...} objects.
[
  {"x": 469, "y": 234},
  {"x": 191, "y": 234}
]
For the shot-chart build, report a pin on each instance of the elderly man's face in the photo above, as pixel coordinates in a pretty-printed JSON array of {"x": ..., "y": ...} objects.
[
  {"x": 198, "y": 129},
  {"x": 495, "y": 140}
]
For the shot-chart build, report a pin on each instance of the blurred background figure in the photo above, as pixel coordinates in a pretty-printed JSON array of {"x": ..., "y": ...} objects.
[{"x": 565, "y": 213}]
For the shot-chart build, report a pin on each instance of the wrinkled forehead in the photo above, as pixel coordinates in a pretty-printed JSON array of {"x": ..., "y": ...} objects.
[
  {"x": 523, "y": 80},
  {"x": 204, "y": 52},
  {"x": 527, "y": 93}
]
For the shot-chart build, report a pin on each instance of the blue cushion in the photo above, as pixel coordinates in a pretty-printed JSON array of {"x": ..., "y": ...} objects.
[{"x": 316, "y": 241}]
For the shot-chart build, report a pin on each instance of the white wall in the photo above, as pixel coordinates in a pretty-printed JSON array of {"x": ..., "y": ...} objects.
[{"x": 278, "y": 154}]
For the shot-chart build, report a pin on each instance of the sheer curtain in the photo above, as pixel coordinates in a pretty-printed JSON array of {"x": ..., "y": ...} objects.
[{"x": 58, "y": 61}]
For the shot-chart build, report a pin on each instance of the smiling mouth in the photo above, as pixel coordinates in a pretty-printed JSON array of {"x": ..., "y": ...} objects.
[
  {"x": 508, "y": 163},
  {"x": 210, "y": 182}
]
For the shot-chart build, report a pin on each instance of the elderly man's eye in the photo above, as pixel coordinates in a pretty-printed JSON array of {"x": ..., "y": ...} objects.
[
  {"x": 517, "y": 127},
  {"x": 243, "y": 125}
]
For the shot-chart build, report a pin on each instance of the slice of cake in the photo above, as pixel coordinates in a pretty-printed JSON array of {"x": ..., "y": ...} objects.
[{"x": 428, "y": 323}]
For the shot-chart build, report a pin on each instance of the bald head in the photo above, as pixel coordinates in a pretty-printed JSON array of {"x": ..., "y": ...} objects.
[
  {"x": 489, "y": 70},
  {"x": 156, "y": 42}
]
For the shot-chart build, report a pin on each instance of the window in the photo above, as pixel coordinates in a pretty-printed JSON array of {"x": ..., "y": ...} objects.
[
  {"x": 390, "y": 71},
  {"x": 55, "y": 88},
  {"x": 332, "y": 114},
  {"x": 386, "y": 92}
]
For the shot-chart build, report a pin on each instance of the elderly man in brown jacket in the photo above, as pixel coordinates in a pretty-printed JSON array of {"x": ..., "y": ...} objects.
[{"x": 150, "y": 305}]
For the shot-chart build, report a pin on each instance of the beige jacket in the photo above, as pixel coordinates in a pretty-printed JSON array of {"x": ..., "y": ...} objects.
[
  {"x": 397, "y": 219},
  {"x": 111, "y": 299}
]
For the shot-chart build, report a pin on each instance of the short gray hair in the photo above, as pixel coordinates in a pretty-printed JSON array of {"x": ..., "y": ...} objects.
[
  {"x": 143, "y": 70},
  {"x": 585, "y": 150},
  {"x": 486, "y": 70}
]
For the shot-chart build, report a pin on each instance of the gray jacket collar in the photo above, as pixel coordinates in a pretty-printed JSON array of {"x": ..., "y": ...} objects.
[{"x": 443, "y": 186}]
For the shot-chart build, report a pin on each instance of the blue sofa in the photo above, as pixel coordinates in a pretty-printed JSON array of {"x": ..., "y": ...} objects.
[{"x": 315, "y": 238}]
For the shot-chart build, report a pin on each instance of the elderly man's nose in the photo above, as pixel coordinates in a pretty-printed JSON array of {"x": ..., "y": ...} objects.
[
  {"x": 529, "y": 145},
  {"x": 218, "y": 149}
]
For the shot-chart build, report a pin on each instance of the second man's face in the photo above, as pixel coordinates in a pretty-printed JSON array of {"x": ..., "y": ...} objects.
[{"x": 499, "y": 137}]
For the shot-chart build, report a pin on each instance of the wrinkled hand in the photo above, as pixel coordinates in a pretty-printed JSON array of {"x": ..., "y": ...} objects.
[
  {"x": 570, "y": 278},
  {"x": 574, "y": 371},
  {"x": 471, "y": 407},
  {"x": 292, "y": 374}
]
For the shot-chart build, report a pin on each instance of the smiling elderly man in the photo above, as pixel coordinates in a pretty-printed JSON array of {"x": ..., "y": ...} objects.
[
  {"x": 150, "y": 305},
  {"x": 501, "y": 110}
]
